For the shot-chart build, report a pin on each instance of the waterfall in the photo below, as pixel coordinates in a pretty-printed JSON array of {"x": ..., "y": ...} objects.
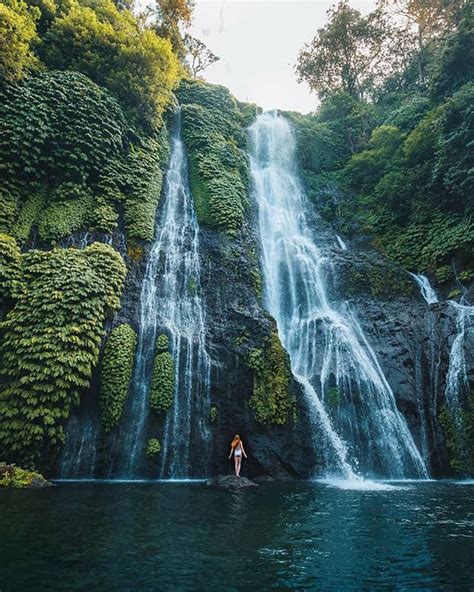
[
  {"x": 330, "y": 355},
  {"x": 171, "y": 303},
  {"x": 428, "y": 293},
  {"x": 456, "y": 380},
  {"x": 341, "y": 243}
]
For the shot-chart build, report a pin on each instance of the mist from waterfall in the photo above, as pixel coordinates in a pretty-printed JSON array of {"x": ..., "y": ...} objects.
[{"x": 330, "y": 355}]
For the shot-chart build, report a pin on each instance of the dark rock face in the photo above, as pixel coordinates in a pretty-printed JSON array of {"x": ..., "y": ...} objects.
[
  {"x": 231, "y": 483},
  {"x": 411, "y": 341}
]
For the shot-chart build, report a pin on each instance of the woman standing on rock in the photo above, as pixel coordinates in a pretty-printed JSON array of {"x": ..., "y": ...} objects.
[{"x": 237, "y": 449}]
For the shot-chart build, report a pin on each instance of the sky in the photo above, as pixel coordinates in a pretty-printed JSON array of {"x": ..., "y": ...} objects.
[{"x": 258, "y": 43}]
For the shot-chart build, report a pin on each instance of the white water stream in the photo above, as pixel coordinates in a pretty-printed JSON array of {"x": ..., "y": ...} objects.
[{"x": 330, "y": 355}]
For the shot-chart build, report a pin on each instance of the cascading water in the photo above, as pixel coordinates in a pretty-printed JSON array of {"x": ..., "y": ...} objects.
[
  {"x": 329, "y": 353},
  {"x": 428, "y": 293},
  {"x": 171, "y": 303},
  {"x": 457, "y": 383}
]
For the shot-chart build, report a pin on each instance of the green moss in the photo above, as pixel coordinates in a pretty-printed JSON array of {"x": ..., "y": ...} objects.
[
  {"x": 218, "y": 167},
  {"x": 50, "y": 344},
  {"x": 116, "y": 373},
  {"x": 162, "y": 379},
  {"x": 16, "y": 478},
  {"x": 380, "y": 280},
  {"x": 454, "y": 294},
  {"x": 11, "y": 268},
  {"x": 272, "y": 400},
  {"x": 153, "y": 448}
]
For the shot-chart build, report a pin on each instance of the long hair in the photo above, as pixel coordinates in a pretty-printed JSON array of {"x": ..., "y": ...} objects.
[{"x": 235, "y": 441}]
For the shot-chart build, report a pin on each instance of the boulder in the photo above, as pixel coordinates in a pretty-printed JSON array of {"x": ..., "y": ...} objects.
[{"x": 231, "y": 483}]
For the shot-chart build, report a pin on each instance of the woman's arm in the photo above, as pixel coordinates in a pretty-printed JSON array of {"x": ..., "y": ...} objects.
[
  {"x": 243, "y": 451},
  {"x": 231, "y": 451}
]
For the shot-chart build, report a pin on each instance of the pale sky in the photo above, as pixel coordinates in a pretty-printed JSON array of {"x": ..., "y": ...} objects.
[{"x": 258, "y": 43}]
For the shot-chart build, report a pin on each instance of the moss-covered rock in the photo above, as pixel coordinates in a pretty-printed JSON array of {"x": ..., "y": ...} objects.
[
  {"x": 50, "y": 344},
  {"x": 218, "y": 165},
  {"x": 14, "y": 477},
  {"x": 153, "y": 448},
  {"x": 272, "y": 401},
  {"x": 162, "y": 378},
  {"x": 116, "y": 373}
]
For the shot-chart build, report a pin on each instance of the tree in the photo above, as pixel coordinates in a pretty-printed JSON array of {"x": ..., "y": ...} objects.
[
  {"x": 427, "y": 19},
  {"x": 199, "y": 56},
  {"x": 109, "y": 46},
  {"x": 168, "y": 18},
  {"x": 17, "y": 34},
  {"x": 347, "y": 55}
]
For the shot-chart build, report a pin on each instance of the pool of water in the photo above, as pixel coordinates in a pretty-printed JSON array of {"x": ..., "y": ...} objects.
[{"x": 186, "y": 536}]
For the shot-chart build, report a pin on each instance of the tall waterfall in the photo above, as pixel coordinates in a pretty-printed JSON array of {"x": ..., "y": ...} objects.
[
  {"x": 171, "y": 303},
  {"x": 330, "y": 355}
]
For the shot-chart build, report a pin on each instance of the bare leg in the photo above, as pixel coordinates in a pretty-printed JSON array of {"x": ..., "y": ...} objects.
[
  {"x": 239, "y": 463},
  {"x": 236, "y": 460}
]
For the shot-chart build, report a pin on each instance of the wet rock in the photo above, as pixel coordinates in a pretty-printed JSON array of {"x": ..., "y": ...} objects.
[{"x": 231, "y": 483}]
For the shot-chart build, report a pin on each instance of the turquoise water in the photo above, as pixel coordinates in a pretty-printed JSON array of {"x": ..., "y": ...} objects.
[{"x": 186, "y": 536}]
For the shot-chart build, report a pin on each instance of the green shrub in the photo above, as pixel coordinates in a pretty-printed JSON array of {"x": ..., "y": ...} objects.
[
  {"x": 153, "y": 447},
  {"x": 116, "y": 373},
  {"x": 69, "y": 210},
  {"x": 50, "y": 344},
  {"x": 272, "y": 401},
  {"x": 17, "y": 478},
  {"x": 114, "y": 50},
  {"x": 162, "y": 378}
]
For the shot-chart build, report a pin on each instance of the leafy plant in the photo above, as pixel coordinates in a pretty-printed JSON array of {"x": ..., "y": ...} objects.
[
  {"x": 218, "y": 166},
  {"x": 162, "y": 378},
  {"x": 153, "y": 447},
  {"x": 50, "y": 344},
  {"x": 116, "y": 373},
  {"x": 272, "y": 401}
]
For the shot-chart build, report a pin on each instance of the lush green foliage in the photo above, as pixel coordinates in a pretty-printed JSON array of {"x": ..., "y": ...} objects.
[
  {"x": 11, "y": 268},
  {"x": 272, "y": 401},
  {"x": 399, "y": 168},
  {"x": 50, "y": 344},
  {"x": 17, "y": 35},
  {"x": 153, "y": 447},
  {"x": 116, "y": 373},
  {"x": 345, "y": 55},
  {"x": 218, "y": 165},
  {"x": 110, "y": 47},
  {"x": 17, "y": 478},
  {"x": 62, "y": 190},
  {"x": 162, "y": 378}
]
